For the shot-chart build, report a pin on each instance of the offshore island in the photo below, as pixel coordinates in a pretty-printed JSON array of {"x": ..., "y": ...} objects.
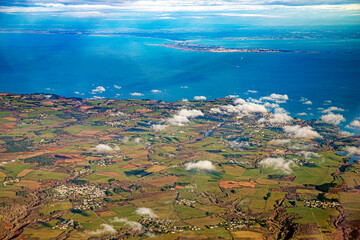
[
  {"x": 74, "y": 168},
  {"x": 186, "y": 46}
]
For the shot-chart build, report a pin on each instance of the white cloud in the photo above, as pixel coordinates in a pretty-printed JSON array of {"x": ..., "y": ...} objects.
[
  {"x": 333, "y": 118},
  {"x": 308, "y": 102},
  {"x": 103, "y": 148},
  {"x": 239, "y": 101},
  {"x": 97, "y": 98},
  {"x": 117, "y": 86},
  {"x": 278, "y": 164},
  {"x": 200, "y": 165},
  {"x": 237, "y": 144},
  {"x": 251, "y": 91},
  {"x": 302, "y": 114},
  {"x": 308, "y": 155},
  {"x": 332, "y": 109},
  {"x": 346, "y": 134},
  {"x": 81, "y": 14},
  {"x": 136, "y": 94},
  {"x": 105, "y": 229},
  {"x": 249, "y": 15},
  {"x": 280, "y": 116},
  {"x": 98, "y": 89},
  {"x": 301, "y": 132},
  {"x": 278, "y": 98},
  {"x": 183, "y": 116},
  {"x": 271, "y": 105},
  {"x": 242, "y": 107},
  {"x": 199, "y": 98},
  {"x": 280, "y": 141},
  {"x": 183, "y": 6},
  {"x": 146, "y": 212},
  {"x": 355, "y": 123},
  {"x": 215, "y": 110},
  {"x": 156, "y": 91},
  {"x": 352, "y": 150},
  {"x": 158, "y": 127},
  {"x": 134, "y": 225},
  {"x": 179, "y": 119},
  {"x": 232, "y": 96}
]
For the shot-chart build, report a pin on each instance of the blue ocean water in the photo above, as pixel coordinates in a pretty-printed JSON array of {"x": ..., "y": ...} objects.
[{"x": 66, "y": 63}]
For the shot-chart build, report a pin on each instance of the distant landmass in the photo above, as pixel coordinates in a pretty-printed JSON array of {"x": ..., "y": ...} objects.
[{"x": 186, "y": 46}]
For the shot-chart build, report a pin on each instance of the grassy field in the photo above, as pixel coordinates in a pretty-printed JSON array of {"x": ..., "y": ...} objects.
[
  {"x": 41, "y": 174},
  {"x": 54, "y": 207}
]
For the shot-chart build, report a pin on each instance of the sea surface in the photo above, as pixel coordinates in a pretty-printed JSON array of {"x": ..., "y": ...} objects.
[{"x": 75, "y": 64}]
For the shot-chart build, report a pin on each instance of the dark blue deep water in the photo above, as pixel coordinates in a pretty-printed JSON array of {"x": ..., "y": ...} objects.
[{"x": 68, "y": 63}]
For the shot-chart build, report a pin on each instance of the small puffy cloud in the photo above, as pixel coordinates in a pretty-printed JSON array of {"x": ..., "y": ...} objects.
[
  {"x": 190, "y": 113},
  {"x": 302, "y": 114},
  {"x": 236, "y": 144},
  {"x": 158, "y": 127},
  {"x": 242, "y": 107},
  {"x": 117, "y": 86},
  {"x": 185, "y": 100},
  {"x": 136, "y": 94},
  {"x": 279, "y": 98},
  {"x": 327, "y": 102},
  {"x": 146, "y": 212},
  {"x": 239, "y": 101},
  {"x": 103, "y": 148},
  {"x": 97, "y": 98},
  {"x": 271, "y": 105},
  {"x": 199, "y": 98},
  {"x": 280, "y": 116},
  {"x": 301, "y": 132},
  {"x": 98, "y": 89},
  {"x": 134, "y": 225},
  {"x": 333, "y": 109},
  {"x": 251, "y": 91},
  {"x": 156, "y": 91},
  {"x": 278, "y": 164},
  {"x": 352, "y": 150},
  {"x": 184, "y": 87},
  {"x": 105, "y": 229},
  {"x": 354, "y": 124},
  {"x": 308, "y": 102},
  {"x": 308, "y": 155},
  {"x": 280, "y": 141},
  {"x": 333, "y": 118},
  {"x": 200, "y": 165},
  {"x": 303, "y": 99},
  {"x": 346, "y": 134},
  {"x": 215, "y": 110},
  {"x": 232, "y": 96},
  {"x": 183, "y": 116}
]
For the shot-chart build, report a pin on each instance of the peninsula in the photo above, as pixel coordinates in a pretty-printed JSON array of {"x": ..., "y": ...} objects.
[{"x": 186, "y": 46}]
